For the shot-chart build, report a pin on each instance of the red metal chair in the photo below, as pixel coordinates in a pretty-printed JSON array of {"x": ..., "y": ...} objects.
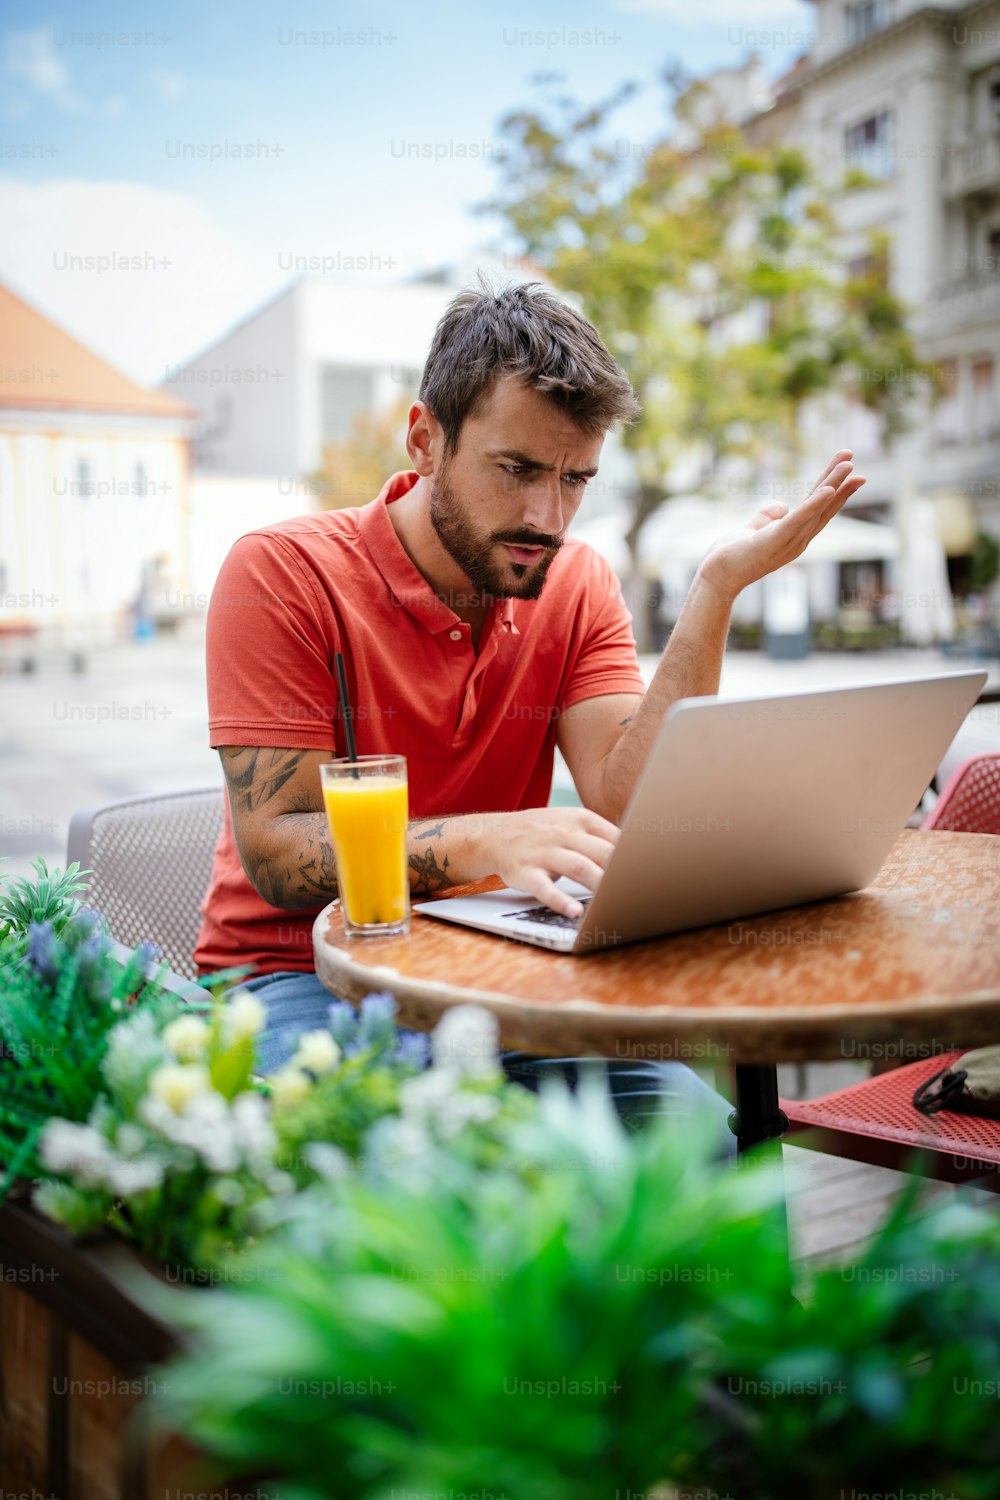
[
  {"x": 875, "y": 1121},
  {"x": 970, "y": 803}
]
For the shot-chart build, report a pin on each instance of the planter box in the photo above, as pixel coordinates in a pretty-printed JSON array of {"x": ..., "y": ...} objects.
[{"x": 78, "y": 1355}]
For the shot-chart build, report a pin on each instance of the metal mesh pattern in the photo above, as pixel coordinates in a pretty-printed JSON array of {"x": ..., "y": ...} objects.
[
  {"x": 970, "y": 803},
  {"x": 882, "y": 1109},
  {"x": 151, "y": 858}
]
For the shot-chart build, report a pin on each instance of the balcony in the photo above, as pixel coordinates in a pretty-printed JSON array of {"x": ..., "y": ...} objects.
[
  {"x": 972, "y": 165},
  {"x": 974, "y": 298}
]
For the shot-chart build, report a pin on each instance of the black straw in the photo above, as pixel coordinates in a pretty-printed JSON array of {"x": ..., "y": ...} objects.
[{"x": 345, "y": 712}]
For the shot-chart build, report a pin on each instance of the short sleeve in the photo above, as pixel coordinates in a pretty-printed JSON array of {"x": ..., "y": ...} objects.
[
  {"x": 606, "y": 659},
  {"x": 270, "y": 644}
]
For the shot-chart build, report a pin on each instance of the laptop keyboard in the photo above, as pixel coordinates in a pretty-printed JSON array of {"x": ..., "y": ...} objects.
[{"x": 546, "y": 917}]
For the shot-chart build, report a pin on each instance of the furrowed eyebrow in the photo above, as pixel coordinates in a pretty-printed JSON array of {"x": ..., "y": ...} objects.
[{"x": 534, "y": 463}]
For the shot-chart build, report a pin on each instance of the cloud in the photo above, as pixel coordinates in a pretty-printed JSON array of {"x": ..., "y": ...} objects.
[
  {"x": 31, "y": 57},
  {"x": 190, "y": 280},
  {"x": 169, "y": 85}
]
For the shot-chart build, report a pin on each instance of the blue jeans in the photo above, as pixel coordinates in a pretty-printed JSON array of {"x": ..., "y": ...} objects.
[{"x": 297, "y": 1001}]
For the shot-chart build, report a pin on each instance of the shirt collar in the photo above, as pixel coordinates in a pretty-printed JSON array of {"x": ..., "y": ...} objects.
[{"x": 407, "y": 584}]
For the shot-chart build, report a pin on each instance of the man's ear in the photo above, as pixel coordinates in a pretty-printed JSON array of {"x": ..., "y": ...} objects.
[{"x": 424, "y": 439}]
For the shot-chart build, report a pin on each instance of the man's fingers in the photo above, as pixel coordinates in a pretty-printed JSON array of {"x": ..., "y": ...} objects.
[
  {"x": 842, "y": 455},
  {"x": 542, "y": 886}
]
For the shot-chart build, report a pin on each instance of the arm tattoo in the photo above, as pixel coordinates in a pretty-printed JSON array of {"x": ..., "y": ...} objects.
[
  {"x": 624, "y": 723},
  {"x": 427, "y": 873},
  {"x": 255, "y": 774}
]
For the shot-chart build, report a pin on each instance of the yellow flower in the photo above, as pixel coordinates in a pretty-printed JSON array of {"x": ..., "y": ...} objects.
[
  {"x": 288, "y": 1086},
  {"x": 177, "y": 1085},
  {"x": 243, "y": 1016},
  {"x": 187, "y": 1038},
  {"x": 317, "y": 1051}
]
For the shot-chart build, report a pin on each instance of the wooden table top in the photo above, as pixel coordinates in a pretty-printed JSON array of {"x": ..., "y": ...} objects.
[{"x": 904, "y": 968}]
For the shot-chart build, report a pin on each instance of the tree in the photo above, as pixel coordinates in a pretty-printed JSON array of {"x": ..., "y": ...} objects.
[
  {"x": 710, "y": 268},
  {"x": 353, "y": 471}
]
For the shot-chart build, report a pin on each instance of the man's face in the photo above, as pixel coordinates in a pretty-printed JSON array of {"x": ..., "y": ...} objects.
[{"x": 501, "y": 503}]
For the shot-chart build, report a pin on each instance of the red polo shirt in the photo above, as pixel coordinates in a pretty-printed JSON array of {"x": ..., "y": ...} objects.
[{"x": 478, "y": 731}]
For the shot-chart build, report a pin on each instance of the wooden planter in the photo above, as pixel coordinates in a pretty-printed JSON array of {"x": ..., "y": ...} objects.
[{"x": 78, "y": 1355}]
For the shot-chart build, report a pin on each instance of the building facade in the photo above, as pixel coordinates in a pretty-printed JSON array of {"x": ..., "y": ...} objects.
[
  {"x": 94, "y": 481},
  {"x": 909, "y": 93}
]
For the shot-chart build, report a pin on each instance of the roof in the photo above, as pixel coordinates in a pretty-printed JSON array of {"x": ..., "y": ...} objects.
[{"x": 62, "y": 374}]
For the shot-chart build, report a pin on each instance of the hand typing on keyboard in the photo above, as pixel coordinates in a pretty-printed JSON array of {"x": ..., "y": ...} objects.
[{"x": 546, "y": 916}]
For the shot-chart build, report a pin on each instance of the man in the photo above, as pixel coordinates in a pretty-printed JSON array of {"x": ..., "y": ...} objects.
[{"x": 477, "y": 638}]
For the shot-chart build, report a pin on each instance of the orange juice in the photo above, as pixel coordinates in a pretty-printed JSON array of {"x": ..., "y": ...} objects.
[{"x": 368, "y": 819}]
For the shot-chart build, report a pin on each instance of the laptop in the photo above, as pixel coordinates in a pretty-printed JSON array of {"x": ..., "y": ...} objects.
[{"x": 749, "y": 805}]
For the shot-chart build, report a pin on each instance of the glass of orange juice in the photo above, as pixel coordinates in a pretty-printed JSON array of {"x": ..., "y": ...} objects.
[{"x": 367, "y": 808}]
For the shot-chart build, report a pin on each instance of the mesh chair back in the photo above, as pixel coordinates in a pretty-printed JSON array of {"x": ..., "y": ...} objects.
[
  {"x": 970, "y": 803},
  {"x": 151, "y": 859}
]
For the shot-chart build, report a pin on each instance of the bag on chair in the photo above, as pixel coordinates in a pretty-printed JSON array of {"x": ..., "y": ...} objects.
[{"x": 971, "y": 1086}]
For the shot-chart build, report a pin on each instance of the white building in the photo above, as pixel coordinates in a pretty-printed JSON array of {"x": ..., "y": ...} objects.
[
  {"x": 295, "y": 375},
  {"x": 94, "y": 473},
  {"x": 910, "y": 93}
]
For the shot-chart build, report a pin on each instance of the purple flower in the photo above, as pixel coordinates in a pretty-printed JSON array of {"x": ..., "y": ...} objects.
[
  {"x": 42, "y": 951},
  {"x": 413, "y": 1049}
]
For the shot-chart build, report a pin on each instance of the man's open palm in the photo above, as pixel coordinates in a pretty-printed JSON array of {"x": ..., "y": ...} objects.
[{"x": 777, "y": 535}]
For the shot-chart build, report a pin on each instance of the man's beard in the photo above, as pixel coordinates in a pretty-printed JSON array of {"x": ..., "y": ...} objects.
[{"x": 471, "y": 551}]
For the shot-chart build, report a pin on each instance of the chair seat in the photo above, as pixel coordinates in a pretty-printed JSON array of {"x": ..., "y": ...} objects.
[{"x": 881, "y": 1109}]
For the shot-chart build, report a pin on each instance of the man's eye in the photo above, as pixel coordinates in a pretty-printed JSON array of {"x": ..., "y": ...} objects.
[
  {"x": 576, "y": 480},
  {"x": 516, "y": 470}
]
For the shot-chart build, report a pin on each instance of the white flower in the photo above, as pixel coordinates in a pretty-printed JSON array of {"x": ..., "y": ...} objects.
[
  {"x": 134, "y": 1047},
  {"x": 128, "y": 1177},
  {"x": 243, "y": 1016},
  {"x": 289, "y": 1086},
  {"x": 129, "y": 1139},
  {"x": 465, "y": 1042},
  {"x": 176, "y": 1084},
  {"x": 251, "y": 1118},
  {"x": 330, "y": 1162},
  {"x": 187, "y": 1038},
  {"x": 317, "y": 1051},
  {"x": 77, "y": 1150}
]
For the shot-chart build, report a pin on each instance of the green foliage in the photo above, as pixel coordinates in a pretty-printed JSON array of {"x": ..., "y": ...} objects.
[
  {"x": 60, "y": 996},
  {"x": 984, "y": 568},
  {"x": 712, "y": 272},
  {"x": 50, "y": 897},
  {"x": 617, "y": 1320}
]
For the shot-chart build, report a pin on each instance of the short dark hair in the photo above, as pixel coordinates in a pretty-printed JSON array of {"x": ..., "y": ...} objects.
[{"x": 528, "y": 332}]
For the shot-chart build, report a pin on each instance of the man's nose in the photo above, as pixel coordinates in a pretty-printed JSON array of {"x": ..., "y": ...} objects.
[{"x": 544, "y": 513}]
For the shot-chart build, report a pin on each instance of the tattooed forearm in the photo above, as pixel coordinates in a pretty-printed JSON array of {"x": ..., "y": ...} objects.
[
  {"x": 255, "y": 774},
  {"x": 309, "y": 876},
  {"x": 428, "y": 869}
]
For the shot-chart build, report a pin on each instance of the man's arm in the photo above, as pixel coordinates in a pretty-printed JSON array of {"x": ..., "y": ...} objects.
[
  {"x": 284, "y": 843},
  {"x": 606, "y": 740}
]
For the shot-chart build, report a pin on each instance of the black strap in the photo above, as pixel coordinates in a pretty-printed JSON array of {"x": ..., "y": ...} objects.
[{"x": 950, "y": 1086}]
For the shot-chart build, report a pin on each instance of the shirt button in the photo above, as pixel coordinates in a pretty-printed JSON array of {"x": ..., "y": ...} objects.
[{"x": 456, "y": 635}]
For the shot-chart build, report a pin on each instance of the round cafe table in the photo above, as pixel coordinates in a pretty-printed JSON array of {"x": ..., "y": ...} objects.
[{"x": 912, "y": 960}]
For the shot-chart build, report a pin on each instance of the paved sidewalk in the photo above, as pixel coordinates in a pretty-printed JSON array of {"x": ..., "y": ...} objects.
[{"x": 136, "y": 721}]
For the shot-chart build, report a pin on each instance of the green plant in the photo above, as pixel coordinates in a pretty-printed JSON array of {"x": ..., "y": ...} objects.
[
  {"x": 61, "y": 994},
  {"x": 616, "y": 1320},
  {"x": 984, "y": 568},
  {"x": 50, "y": 897}
]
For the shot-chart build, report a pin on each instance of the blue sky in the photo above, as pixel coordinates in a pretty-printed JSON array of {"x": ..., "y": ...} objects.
[{"x": 99, "y": 135}]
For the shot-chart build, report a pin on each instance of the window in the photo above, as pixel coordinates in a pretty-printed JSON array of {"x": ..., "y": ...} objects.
[
  {"x": 867, "y": 17},
  {"x": 947, "y": 418},
  {"x": 868, "y": 144},
  {"x": 345, "y": 395},
  {"x": 984, "y": 418}
]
